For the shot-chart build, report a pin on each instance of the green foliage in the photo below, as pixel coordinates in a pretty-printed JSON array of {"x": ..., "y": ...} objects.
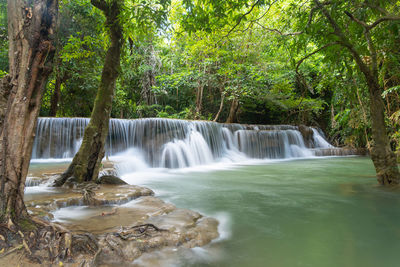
[
  {"x": 3, "y": 38},
  {"x": 181, "y": 59},
  {"x": 2, "y": 74},
  {"x": 391, "y": 90}
]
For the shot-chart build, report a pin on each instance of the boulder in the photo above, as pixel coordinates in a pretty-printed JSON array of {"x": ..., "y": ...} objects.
[
  {"x": 110, "y": 179},
  {"x": 308, "y": 135}
]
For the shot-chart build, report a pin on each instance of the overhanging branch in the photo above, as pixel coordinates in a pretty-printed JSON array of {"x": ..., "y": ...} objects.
[
  {"x": 278, "y": 31},
  {"x": 242, "y": 17},
  {"x": 299, "y": 75},
  {"x": 313, "y": 53},
  {"x": 309, "y": 21},
  {"x": 369, "y": 27},
  {"x": 380, "y": 20}
]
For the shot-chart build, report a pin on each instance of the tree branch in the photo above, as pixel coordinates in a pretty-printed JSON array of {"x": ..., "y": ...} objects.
[
  {"x": 265, "y": 13},
  {"x": 362, "y": 23},
  {"x": 310, "y": 18},
  {"x": 369, "y": 27},
  {"x": 242, "y": 17},
  {"x": 313, "y": 53},
  {"x": 299, "y": 75},
  {"x": 386, "y": 18},
  {"x": 343, "y": 40},
  {"x": 380, "y": 9},
  {"x": 278, "y": 31}
]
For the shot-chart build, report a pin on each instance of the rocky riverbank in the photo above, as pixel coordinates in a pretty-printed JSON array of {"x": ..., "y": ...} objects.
[{"x": 110, "y": 225}]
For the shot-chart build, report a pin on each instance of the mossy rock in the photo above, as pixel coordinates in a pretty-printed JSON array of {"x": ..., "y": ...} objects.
[{"x": 110, "y": 179}]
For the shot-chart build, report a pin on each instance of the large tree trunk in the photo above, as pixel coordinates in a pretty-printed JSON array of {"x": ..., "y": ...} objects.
[
  {"x": 382, "y": 156},
  {"x": 31, "y": 50},
  {"x": 86, "y": 163}
]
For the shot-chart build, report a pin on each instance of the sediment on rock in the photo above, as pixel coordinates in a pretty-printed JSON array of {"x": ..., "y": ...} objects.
[{"x": 111, "y": 235}]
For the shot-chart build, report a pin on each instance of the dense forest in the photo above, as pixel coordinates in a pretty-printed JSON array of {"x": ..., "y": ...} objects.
[
  {"x": 246, "y": 64},
  {"x": 262, "y": 62}
]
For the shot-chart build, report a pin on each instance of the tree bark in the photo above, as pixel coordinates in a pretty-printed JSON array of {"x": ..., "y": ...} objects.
[
  {"x": 382, "y": 156},
  {"x": 86, "y": 163},
  {"x": 232, "y": 111},
  {"x": 55, "y": 98},
  {"x": 199, "y": 98},
  {"x": 221, "y": 106},
  {"x": 31, "y": 50},
  {"x": 148, "y": 79}
]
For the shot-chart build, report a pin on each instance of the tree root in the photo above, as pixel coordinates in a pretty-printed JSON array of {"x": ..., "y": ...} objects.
[
  {"x": 51, "y": 243},
  {"x": 8, "y": 252},
  {"x": 47, "y": 243},
  {"x": 138, "y": 231}
]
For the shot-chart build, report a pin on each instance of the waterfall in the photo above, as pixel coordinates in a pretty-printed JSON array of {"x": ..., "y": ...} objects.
[
  {"x": 170, "y": 143},
  {"x": 319, "y": 140}
]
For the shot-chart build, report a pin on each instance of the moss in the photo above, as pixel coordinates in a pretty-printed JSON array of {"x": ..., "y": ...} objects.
[{"x": 27, "y": 225}]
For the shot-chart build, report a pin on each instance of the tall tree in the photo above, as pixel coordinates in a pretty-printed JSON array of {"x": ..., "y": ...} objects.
[
  {"x": 366, "y": 59},
  {"x": 31, "y": 49},
  {"x": 86, "y": 163},
  {"x": 322, "y": 25}
]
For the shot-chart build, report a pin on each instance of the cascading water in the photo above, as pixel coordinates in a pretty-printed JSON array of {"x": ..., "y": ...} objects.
[
  {"x": 320, "y": 141},
  {"x": 169, "y": 143}
]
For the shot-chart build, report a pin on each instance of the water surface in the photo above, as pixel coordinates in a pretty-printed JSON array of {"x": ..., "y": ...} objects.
[{"x": 313, "y": 212}]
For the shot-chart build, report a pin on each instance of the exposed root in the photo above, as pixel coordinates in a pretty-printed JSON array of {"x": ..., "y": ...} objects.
[
  {"x": 138, "y": 231},
  {"x": 10, "y": 251},
  {"x": 88, "y": 197},
  {"x": 24, "y": 242},
  {"x": 47, "y": 243}
]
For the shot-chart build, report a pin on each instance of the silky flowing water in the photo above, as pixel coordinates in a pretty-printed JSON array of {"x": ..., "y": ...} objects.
[
  {"x": 319, "y": 212},
  {"x": 277, "y": 202},
  {"x": 306, "y": 212}
]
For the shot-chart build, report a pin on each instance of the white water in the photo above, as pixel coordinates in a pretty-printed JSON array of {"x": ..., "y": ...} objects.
[
  {"x": 320, "y": 140},
  {"x": 166, "y": 143}
]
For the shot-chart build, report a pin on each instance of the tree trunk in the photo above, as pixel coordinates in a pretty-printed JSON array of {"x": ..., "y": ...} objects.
[
  {"x": 382, "y": 156},
  {"x": 5, "y": 90},
  {"x": 55, "y": 98},
  {"x": 199, "y": 99},
  {"x": 221, "y": 106},
  {"x": 232, "y": 111},
  {"x": 31, "y": 50},
  {"x": 86, "y": 163},
  {"x": 364, "y": 113},
  {"x": 148, "y": 79}
]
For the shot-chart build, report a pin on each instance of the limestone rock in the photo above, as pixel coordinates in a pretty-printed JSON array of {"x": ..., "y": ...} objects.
[{"x": 110, "y": 179}]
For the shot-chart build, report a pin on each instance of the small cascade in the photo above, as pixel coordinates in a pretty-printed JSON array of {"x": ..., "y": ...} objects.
[
  {"x": 191, "y": 151},
  {"x": 33, "y": 181},
  {"x": 319, "y": 140},
  {"x": 170, "y": 143}
]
